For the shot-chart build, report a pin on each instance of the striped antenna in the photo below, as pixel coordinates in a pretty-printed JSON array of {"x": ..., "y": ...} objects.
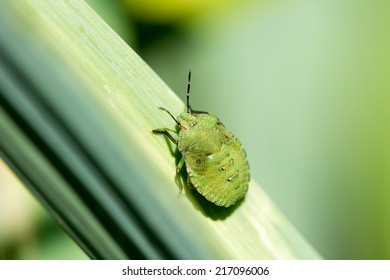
[{"x": 188, "y": 91}]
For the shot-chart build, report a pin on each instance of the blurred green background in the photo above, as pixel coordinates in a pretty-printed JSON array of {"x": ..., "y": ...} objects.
[{"x": 305, "y": 85}]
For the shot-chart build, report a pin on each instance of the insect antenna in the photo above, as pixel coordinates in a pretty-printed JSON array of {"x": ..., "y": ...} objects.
[
  {"x": 170, "y": 115},
  {"x": 189, "y": 109},
  {"x": 188, "y": 92}
]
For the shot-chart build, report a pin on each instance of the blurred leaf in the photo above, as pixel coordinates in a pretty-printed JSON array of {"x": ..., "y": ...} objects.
[{"x": 169, "y": 11}]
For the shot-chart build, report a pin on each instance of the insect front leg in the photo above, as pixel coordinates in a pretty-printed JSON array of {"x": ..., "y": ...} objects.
[
  {"x": 166, "y": 133},
  {"x": 197, "y": 112}
]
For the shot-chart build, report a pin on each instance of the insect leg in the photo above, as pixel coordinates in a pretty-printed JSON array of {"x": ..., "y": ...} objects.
[
  {"x": 197, "y": 112},
  {"x": 178, "y": 178},
  {"x": 179, "y": 166},
  {"x": 166, "y": 133}
]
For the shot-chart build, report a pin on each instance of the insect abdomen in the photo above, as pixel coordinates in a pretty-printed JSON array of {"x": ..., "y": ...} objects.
[{"x": 223, "y": 176}]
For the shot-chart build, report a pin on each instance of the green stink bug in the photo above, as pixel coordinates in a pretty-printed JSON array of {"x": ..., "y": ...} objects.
[{"x": 215, "y": 160}]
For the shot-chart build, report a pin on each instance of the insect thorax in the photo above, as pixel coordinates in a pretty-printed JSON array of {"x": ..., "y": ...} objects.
[{"x": 199, "y": 133}]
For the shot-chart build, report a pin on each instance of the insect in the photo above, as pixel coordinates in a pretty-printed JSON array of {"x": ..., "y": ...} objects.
[{"x": 215, "y": 160}]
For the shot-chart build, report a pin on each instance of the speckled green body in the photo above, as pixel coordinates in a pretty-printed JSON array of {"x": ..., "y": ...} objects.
[{"x": 215, "y": 160}]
